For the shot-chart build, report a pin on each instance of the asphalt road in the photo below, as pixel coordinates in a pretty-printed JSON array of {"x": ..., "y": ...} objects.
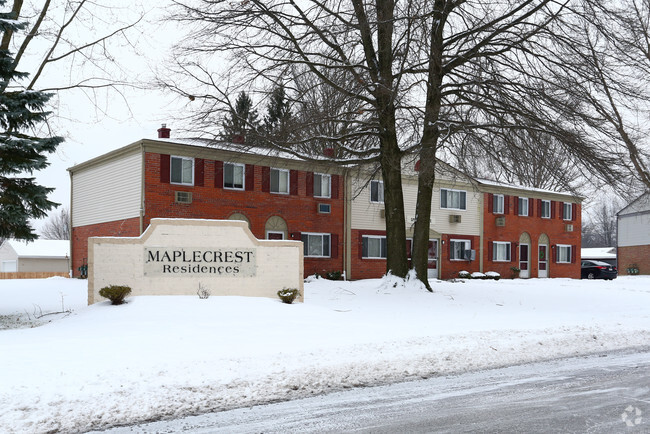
[{"x": 596, "y": 394}]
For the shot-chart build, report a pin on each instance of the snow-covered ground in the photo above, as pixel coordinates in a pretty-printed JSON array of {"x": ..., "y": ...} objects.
[{"x": 163, "y": 357}]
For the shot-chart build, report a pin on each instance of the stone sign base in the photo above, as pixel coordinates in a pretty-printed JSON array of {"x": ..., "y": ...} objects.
[{"x": 174, "y": 256}]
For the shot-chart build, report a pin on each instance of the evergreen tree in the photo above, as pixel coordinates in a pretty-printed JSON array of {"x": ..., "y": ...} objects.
[
  {"x": 20, "y": 153},
  {"x": 278, "y": 117},
  {"x": 240, "y": 125}
]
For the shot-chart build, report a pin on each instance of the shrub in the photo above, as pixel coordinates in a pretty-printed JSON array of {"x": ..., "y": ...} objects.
[
  {"x": 288, "y": 295},
  {"x": 203, "y": 292},
  {"x": 115, "y": 293},
  {"x": 464, "y": 275},
  {"x": 493, "y": 275},
  {"x": 333, "y": 275}
]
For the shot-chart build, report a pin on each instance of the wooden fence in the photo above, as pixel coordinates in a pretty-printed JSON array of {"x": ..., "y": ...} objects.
[{"x": 33, "y": 275}]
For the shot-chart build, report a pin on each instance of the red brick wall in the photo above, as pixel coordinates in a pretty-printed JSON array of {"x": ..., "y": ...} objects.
[
  {"x": 122, "y": 228},
  {"x": 535, "y": 226},
  {"x": 449, "y": 269},
  {"x": 639, "y": 255},
  {"x": 299, "y": 210}
]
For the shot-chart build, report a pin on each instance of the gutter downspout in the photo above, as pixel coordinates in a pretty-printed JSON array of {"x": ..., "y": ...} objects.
[{"x": 142, "y": 168}]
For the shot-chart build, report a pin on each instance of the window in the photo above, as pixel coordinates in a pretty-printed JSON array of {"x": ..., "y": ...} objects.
[
  {"x": 233, "y": 176},
  {"x": 182, "y": 170},
  {"x": 458, "y": 248},
  {"x": 274, "y": 235},
  {"x": 563, "y": 253},
  {"x": 374, "y": 247},
  {"x": 316, "y": 245},
  {"x": 523, "y": 206},
  {"x": 377, "y": 191},
  {"x": 453, "y": 199},
  {"x": 280, "y": 181},
  {"x": 501, "y": 251},
  {"x": 566, "y": 211},
  {"x": 324, "y": 208},
  {"x": 322, "y": 185},
  {"x": 546, "y": 209},
  {"x": 497, "y": 204}
]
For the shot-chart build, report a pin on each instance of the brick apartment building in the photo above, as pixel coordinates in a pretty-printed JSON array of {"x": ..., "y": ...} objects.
[
  {"x": 337, "y": 212},
  {"x": 633, "y": 237}
]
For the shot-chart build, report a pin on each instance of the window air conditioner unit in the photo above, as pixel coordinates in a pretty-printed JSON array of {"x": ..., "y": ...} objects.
[
  {"x": 501, "y": 221},
  {"x": 183, "y": 197},
  {"x": 382, "y": 214},
  {"x": 469, "y": 255},
  {"x": 454, "y": 218},
  {"x": 568, "y": 228},
  {"x": 324, "y": 208}
]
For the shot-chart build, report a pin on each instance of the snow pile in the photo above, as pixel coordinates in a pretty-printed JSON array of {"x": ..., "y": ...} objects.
[{"x": 165, "y": 357}]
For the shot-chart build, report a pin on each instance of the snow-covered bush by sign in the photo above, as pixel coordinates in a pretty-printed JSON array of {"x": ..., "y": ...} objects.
[
  {"x": 288, "y": 295},
  {"x": 115, "y": 293}
]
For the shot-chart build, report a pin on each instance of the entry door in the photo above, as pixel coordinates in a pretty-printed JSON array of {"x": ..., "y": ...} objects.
[
  {"x": 524, "y": 261},
  {"x": 543, "y": 261},
  {"x": 432, "y": 272}
]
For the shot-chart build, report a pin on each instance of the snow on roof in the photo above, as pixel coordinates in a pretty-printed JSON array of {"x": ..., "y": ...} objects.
[
  {"x": 640, "y": 204},
  {"x": 598, "y": 253},
  {"x": 41, "y": 248},
  {"x": 521, "y": 187}
]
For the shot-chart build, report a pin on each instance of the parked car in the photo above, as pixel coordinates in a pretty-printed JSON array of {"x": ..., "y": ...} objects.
[{"x": 598, "y": 270}]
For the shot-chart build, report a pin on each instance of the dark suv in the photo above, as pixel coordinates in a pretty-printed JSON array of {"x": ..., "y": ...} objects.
[{"x": 598, "y": 270}]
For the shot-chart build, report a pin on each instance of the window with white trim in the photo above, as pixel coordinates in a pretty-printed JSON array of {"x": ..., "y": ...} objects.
[
  {"x": 279, "y": 181},
  {"x": 501, "y": 251},
  {"x": 523, "y": 206},
  {"x": 182, "y": 170},
  {"x": 377, "y": 191},
  {"x": 457, "y": 249},
  {"x": 373, "y": 247},
  {"x": 316, "y": 245},
  {"x": 567, "y": 211},
  {"x": 498, "y": 204},
  {"x": 322, "y": 185},
  {"x": 546, "y": 209},
  {"x": 453, "y": 199},
  {"x": 563, "y": 254},
  {"x": 233, "y": 176}
]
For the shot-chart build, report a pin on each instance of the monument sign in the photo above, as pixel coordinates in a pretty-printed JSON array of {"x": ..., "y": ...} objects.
[{"x": 174, "y": 256}]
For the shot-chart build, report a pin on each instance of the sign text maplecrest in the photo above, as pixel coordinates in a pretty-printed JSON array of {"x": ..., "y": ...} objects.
[{"x": 199, "y": 261}]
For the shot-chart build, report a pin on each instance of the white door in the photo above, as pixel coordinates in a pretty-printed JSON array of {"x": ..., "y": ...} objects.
[
  {"x": 432, "y": 268},
  {"x": 543, "y": 261},
  {"x": 524, "y": 261}
]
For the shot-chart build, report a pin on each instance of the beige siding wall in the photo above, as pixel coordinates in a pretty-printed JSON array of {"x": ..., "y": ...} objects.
[
  {"x": 634, "y": 230},
  {"x": 7, "y": 253},
  {"x": 43, "y": 265},
  {"x": 367, "y": 215},
  {"x": 107, "y": 192}
]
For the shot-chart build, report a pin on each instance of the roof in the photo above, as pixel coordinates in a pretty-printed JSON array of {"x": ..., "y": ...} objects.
[
  {"x": 40, "y": 248},
  {"x": 640, "y": 205},
  {"x": 598, "y": 253},
  {"x": 489, "y": 182}
]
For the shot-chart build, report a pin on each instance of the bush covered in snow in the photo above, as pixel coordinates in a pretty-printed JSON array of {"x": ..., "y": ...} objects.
[
  {"x": 115, "y": 293},
  {"x": 493, "y": 275},
  {"x": 288, "y": 295},
  {"x": 478, "y": 275},
  {"x": 464, "y": 274}
]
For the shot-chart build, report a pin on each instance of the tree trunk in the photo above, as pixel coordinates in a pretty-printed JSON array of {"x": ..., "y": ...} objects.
[
  {"x": 429, "y": 143},
  {"x": 396, "y": 262}
]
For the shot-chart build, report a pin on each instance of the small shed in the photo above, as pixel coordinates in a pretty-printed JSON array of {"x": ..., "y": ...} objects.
[
  {"x": 602, "y": 254},
  {"x": 38, "y": 258}
]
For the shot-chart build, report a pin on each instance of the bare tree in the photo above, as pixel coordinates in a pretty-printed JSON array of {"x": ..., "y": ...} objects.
[
  {"x": 57, "y": 227},
  {"x": 425, "y": 77}
]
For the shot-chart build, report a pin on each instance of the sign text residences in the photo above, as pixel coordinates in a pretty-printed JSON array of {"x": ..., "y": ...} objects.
[{"x": 199, "y": 261}]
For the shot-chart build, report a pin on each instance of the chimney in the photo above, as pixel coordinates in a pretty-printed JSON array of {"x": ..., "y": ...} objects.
[
  {"x": 328, "y": 152},
  {"x": 163, "y": 132}
]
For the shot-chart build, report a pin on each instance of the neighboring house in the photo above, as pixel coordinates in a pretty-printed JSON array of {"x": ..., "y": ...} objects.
[
  {"x": 338, "y": 212},
  {"x": 603, "y": 254},
  {"x": 39, "y": 256},
  {"x": 633, "y": 235}
]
